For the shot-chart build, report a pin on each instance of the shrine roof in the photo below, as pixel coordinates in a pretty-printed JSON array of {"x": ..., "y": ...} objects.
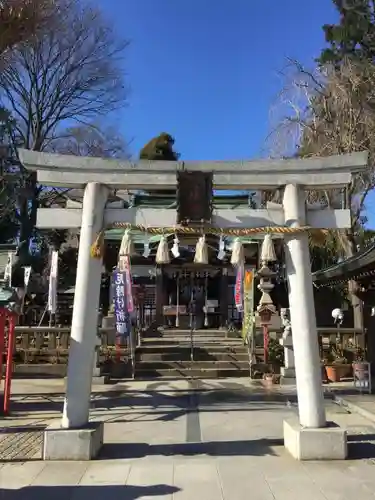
[
  {"x": 164, "y": 199},
  {"x": 360, "y": 266}
]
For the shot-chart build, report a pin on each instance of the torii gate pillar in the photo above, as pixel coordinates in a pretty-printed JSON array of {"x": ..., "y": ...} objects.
[
  {"x": 82, "y": 440},
  {"x": 310, "y": 437}
]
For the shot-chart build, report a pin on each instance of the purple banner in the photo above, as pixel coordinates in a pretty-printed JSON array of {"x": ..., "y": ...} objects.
[{"x": 120, "y": 303}]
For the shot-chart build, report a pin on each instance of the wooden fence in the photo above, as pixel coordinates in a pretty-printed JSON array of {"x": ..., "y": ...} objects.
[{"x": 50, "y": 345}]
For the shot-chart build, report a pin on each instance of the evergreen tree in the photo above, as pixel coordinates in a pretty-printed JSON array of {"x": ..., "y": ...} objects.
[
  {"x": 159, "y": 148},
  {"x": 353, "y": 35}
]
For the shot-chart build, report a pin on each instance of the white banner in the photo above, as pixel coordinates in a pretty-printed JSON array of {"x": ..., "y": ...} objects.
[
  {"x": 52, "y": 295},
  {"x": 54, "y": 264},
  {"x": 53, "y": 280},
  {"x": 8, "y": 269},
  {"x": 27, "y": 274}
]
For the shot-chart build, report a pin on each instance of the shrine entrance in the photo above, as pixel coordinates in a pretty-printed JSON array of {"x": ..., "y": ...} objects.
[{"x": 193, "y": 298}]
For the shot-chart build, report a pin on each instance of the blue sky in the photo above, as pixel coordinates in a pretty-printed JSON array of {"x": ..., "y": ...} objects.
[{"x": 207, "y": 71}]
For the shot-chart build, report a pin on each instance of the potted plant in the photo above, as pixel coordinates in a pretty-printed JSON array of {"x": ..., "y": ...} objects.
[
  {"x": 275, "y": 361},
  {"x": 359, "y": 364},
  {"x": 335, "y": 365}
]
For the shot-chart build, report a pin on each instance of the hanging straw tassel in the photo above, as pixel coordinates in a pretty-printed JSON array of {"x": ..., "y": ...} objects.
[
  {"x": 267, "y": 253},
  {"x": 162, "y": 254},
  {"x": 238, "y": 256},
  {"x": 127, "y": 245},
  {"x": 201, "y": 251},
  {"x": 97, "y": 248}
]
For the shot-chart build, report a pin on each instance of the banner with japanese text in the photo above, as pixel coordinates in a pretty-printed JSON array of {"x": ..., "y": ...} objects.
[
  {"x": 238, "y": 289},
  {"x": 248, "y": 321},
  {"x": 120, "y": 303}
]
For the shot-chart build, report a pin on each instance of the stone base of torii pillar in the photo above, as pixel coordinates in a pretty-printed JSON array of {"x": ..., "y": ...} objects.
[{"x": 309, "y": 437}]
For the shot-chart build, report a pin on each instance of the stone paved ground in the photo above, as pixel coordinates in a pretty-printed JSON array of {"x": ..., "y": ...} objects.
[{"x": 209, "y": 440}]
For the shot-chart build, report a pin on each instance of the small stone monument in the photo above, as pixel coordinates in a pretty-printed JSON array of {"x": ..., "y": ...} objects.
[{"x": 288, "y": 372}]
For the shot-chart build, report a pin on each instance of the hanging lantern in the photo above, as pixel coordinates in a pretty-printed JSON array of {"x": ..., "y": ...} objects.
[
  {"x": 201, "y": 251},
  {"x": 162, "y": 254},
  {"x": 238, "y": 255},
  {"x": 127, "y": 245},
  {"x": 267, "y": 253}
]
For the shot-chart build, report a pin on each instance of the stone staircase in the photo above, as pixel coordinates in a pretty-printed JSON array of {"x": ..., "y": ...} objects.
[{"x": 168, "y": 354}]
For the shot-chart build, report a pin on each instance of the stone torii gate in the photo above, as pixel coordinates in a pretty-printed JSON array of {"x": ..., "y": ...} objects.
[{"x": 310, "y": 437}]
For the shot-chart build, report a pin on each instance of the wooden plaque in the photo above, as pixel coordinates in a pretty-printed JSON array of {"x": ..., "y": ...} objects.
[{"x": 194, "y": 197}]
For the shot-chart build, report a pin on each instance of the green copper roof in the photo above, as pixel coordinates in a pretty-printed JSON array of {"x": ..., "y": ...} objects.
[{"x": 168, "y": 200}]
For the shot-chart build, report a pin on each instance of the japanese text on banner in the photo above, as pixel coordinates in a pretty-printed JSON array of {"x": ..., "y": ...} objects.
[
  {"x": 120, "y": 302},
  {"x": 238, "y": 289}
]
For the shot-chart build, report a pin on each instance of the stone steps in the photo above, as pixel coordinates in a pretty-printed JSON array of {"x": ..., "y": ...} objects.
[
  {"x": 174, "y": 373},
  {"x": 168, "y": 354},
  {"x": 184, "y": 355},
  {"x": 190, "y": 365}
]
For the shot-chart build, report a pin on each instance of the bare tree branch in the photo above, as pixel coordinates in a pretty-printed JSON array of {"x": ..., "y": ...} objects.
[
  {"x": 91, "y": 140},
  {"x": 72, "y": 73},
  {"x": 330, "y": 111}
]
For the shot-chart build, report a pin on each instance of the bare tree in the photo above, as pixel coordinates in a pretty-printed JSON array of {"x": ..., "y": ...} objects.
[
  {"x": 71, "y": 74},
  {"x": 332, "y": 111},
  {"x": 91, "y": 140},
  {"x": 21, "y": 20}
]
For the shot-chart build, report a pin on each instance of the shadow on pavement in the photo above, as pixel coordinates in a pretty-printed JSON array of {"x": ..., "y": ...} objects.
[
  {"x": 112, "y": 492},
  {"x": 361, "y": 446},
  {"x": 256, "y": 447}
]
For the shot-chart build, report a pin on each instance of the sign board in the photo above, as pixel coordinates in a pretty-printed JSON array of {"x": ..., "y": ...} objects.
[{"x": 194, "y": 197}]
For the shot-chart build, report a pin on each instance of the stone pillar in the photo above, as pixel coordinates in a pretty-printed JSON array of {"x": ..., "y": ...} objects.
[
  {"x": 302, "y": 313},
  {"x": 85, "y": 311}
]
